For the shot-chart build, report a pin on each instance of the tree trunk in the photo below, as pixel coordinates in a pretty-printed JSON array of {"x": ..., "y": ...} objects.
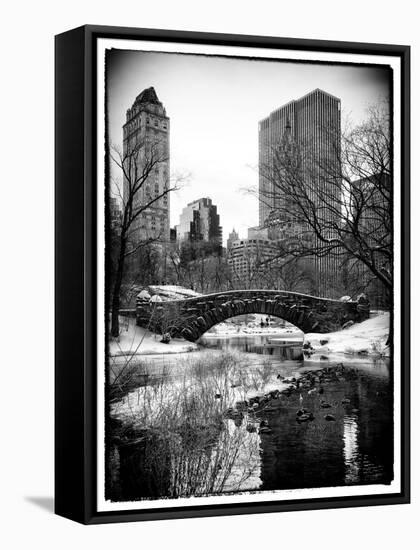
[
  {"x": 115, "y": 320},
  {"x": 115, "y": 305}
]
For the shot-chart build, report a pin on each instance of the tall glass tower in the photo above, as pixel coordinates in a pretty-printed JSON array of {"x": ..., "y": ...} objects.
[{"x": 310, "y": 128}]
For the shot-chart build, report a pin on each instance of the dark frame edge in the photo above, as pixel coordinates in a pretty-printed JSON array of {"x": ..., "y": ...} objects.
[
  {"x": 247, "y": 509},
  {"x": 214, "y": 38},
  {"x": 405, "y": 272},
  {"x": 70, "y": 365}
]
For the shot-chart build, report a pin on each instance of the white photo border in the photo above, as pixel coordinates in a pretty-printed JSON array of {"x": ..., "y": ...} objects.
[{"x": 281, "y": 54}]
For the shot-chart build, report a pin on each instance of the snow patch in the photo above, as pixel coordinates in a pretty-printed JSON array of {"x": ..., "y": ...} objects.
[
  {"x": 137, "y": 341},
  {"x": 173, "y": 292},
  {"x": 366, "y": 338}
]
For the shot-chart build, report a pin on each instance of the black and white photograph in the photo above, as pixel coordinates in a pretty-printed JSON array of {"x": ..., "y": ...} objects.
[{"x": 250, "y": 227}]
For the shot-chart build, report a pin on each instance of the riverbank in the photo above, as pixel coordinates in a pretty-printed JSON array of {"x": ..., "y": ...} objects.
[
  {"x": 137, "y": 341},
  {"x": 361, "y": 339}
]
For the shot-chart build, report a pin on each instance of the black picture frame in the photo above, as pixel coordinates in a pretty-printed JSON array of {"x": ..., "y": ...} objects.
[{"x": 75, "y": 273}]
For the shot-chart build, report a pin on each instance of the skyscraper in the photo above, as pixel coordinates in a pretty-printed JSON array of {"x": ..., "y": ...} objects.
[
  {"x": 199, "y": 221},
  {"x": 308, "y": 131},
  {"x": 309, "y": 127},
  {"x": 146, "y": 150}
]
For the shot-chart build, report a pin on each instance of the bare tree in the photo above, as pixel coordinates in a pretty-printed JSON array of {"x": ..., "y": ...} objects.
[
  {"x": 341, "y": 203},
  {"x": 199, "y": 265},
  {"x": 289, "y": 273},
  {"x": 245, "y": 265},
  {"x": 137, "y": 164}
]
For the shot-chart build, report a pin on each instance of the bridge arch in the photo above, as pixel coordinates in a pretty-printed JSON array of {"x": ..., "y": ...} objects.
[
  {"x": 195, "y": 328},
  {"x": 191, "y": 318}
]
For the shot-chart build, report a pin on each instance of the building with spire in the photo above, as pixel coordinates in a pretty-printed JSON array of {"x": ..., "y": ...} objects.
[
  {"x": 233, "y": 236},
  {"x": 146, "y": 141}
]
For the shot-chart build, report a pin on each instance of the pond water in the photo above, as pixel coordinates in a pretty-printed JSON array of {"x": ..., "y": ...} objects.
[
  {"x": 199, "y": 424},
  {"x": 278, "y": 350}
]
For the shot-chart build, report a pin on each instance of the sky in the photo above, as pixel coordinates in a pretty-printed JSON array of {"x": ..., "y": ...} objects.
[{"x": 214, "y": 105}]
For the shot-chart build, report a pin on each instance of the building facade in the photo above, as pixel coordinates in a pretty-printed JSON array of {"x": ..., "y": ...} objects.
[
  {"x": 258, "y": 233},
  {"x": 146, "y": 151},
  {"x": 246, "y": 258},
  {"x": 306, "y": 130},
  {"x": 199, "y": 221}
]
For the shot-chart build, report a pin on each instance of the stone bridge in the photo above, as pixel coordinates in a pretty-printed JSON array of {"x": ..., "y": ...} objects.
[{"x": 190, "y": 318}]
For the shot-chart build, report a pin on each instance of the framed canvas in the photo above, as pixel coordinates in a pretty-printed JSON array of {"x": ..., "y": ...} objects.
[{"x": 232, "y": 274}]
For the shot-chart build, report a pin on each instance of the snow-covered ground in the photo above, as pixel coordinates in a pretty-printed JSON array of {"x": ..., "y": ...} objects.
[
  {"x": 135, "y": 340},
  {"x": 367, "y": 338}
]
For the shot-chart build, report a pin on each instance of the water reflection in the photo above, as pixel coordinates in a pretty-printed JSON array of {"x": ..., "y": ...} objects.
[
  {"x": 355, "y": 448},
  {"x": 183, "y": 432},
  {"x": 351, "y": 449}
]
